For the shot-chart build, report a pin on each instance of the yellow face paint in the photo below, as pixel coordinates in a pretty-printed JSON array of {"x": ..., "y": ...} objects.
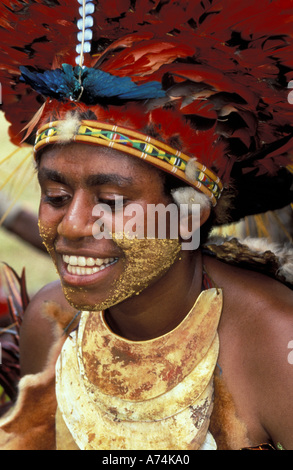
[
  {"x": 48, "y": 236},
  {"x": 145, "y": 261}
]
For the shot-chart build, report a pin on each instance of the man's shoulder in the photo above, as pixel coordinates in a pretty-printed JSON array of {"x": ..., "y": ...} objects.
[
  {"x": 256, "y": 331},
  {"x": 37, "y": 332},
  {"x": 49, "y": 294},
  {"x": 50, "y": 291},
  {"x": 260, "y": 291},
  {"x": 255, "y": 304},
  {"x": 268, "y": 365}
]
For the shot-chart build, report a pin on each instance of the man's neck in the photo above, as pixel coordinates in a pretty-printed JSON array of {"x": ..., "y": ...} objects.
[{"x": 163, "y": 305}]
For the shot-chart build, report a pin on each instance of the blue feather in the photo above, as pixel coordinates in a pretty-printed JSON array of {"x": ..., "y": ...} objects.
[
  {"x": 60, "y": 84},
  {"x": 69, "y": 82},
  {"x": 99, "y": 84}
]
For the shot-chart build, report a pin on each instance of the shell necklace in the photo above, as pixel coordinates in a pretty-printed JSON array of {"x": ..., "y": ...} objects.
[{"x": 116, "y": 394}]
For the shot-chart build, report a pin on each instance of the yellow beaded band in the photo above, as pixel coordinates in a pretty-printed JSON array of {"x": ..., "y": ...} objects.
[{"x": 138, "y": 145}]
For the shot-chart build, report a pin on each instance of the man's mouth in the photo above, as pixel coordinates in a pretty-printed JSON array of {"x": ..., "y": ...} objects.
[{"x": 84, "y": 266}]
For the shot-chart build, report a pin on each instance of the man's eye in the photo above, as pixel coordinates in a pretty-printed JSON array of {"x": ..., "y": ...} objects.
[
  {"x": 56, "y": 201},
  {"x": 114, "y": 204}
]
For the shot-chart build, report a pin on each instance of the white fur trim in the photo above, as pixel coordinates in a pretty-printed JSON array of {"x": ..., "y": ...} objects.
[
  {"x": 191, "y": 169},
  {"x": 67, "y": 129},
  {"x": 189, "y": 195}
]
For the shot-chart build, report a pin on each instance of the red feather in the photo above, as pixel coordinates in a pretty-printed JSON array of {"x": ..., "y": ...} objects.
[
  {"x": 225, "y": 65},
  {"x": 147, "y": 58}
]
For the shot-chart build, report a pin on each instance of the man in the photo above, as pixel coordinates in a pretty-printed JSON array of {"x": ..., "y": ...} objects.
[
  {"x": 256, "y": 322},
  {"x": 174, "y": 348}
]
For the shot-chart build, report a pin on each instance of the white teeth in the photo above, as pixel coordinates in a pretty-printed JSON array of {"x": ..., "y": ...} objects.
[
  {"x": 73, "y": 260},
  {"x": 91, "y": 262},
  {"x": 82, "y": 266},
  {"x": 81, "y": 261}
]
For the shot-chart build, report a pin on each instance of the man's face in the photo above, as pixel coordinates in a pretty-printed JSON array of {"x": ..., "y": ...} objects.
[{"x": 98, "y": 273}]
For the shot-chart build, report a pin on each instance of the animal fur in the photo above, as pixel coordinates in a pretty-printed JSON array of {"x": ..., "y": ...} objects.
[
  {"x": 68, "y": 128},
  {"x": 272, "y": 259},
  {"x": 31, "y": 423},
  {"x": 189, "y": 196},
  {"x": 229, "y": 432},
  {"x": 283, "y": 253}
]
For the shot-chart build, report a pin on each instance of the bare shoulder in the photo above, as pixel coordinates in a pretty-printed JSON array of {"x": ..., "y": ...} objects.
[
  {"x": 256, "y": 334},
  {"x": 37, "y": 335}
]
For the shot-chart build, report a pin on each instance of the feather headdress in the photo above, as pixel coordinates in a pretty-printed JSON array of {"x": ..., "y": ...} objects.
[{"x": 209, "y": 78}]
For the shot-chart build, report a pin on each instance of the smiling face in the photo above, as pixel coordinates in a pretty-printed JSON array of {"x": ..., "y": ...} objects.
[{"x": 97, "y": 274}]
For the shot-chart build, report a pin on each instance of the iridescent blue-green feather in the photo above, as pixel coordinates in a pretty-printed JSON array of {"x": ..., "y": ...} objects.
[{"x": 88, "y": 85}]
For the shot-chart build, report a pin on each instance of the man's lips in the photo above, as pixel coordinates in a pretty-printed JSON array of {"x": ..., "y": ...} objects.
[
  {"x": 86, "y": 266},
  {"x": 83, "y": 270}
]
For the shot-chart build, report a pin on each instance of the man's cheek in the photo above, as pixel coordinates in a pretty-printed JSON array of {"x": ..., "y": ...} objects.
[{"x": 48, "y": 235}]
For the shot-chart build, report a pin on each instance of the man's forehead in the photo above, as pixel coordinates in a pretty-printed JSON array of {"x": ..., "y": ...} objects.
[
  {"x": 76, "y": 150},
  {"x": 95, "y": 164},
  {"x": 89, "y": 180}
]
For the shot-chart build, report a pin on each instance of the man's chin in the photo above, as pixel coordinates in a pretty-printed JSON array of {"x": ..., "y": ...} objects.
[{"x": 81, "y": 299}]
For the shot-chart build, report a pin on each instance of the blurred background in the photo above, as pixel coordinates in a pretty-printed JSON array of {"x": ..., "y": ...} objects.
[
  {"x": 18, "y": 183},
  {"x": 19, "y": 200}
]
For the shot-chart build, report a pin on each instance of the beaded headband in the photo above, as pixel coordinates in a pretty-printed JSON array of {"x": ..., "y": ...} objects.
[{"x": 138, "y": 145}]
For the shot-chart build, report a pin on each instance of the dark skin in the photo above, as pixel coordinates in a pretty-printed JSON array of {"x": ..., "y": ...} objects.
[{"x": 257, "y": 321}]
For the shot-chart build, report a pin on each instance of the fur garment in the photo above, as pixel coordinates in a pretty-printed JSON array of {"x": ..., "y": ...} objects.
[{"x": 30, "y": 424}]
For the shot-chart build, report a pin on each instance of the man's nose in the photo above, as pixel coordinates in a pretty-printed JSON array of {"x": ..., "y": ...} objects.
[{"x": 78, "y": 220}]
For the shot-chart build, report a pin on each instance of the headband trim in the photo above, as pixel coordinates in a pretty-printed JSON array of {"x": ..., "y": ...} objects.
[{"x": 139, "y": 145}]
